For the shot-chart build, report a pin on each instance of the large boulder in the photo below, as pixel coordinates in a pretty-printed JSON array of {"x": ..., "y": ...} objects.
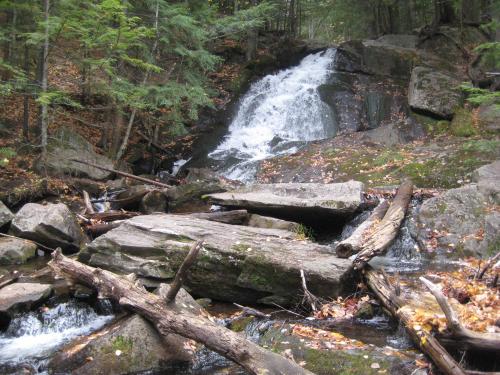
[
  {"x": 433, "y": 92},
  {"x": 238, "y": 263},
  {"x": 65, "y": 145},
  {"x": 130, "y": 345},
  {"x": 461, "y": 221},
  {"x": 15, "y": 251},
  {"x": 377, "y": 57},
  {"x": 296, "y": 201},
  {"x": 22, "y": 296},
  {"x": 52, "y": 225},
  {"x": 5, "y": 215},
  {"x": 488, "y": 117}
]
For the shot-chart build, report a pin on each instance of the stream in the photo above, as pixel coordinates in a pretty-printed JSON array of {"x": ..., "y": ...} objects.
[{"x": 279, "y": 114}]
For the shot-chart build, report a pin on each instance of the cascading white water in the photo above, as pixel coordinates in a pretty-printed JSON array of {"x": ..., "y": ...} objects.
[
  {"x": 31, "y": 337},
  {"x": 278, "y": 112}
]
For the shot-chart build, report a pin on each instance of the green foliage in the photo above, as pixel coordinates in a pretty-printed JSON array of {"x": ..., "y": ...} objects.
[
  {"x": 483, "y": 146},
  {"x": 478, "y": 96},
  {"x": 6, "y": 153},
  {"x": 304, "y": 232},
  {"x": 462, "y": 124}
]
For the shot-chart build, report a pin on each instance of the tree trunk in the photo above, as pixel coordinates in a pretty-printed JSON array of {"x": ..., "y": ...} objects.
[
  {"x": 353, "y": 244},
  {"x": 26, "y": 99},
  {"x": 386, "y": 230},
  {"x": 173, "y": 319},
  {"x": 44, "y": 109}
]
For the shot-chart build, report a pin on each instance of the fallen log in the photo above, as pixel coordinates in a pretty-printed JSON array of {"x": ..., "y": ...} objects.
[
  {"x": 386, "y": 230},
  {"x": 424, "y": 340},
  {"x": 89, "y": 209},
  {"x": 124, "y": 174},
  {"x": 352, "y": 244},
  {"x": 99, "y": 229},
  {"x": 235, "y": 217},
  {"x": 9, "y": 278},
  {"x": 172, "y": 319},
  {"x": 112, "y": 215},
  {"x": 488, "y": 264},
  {"x": 457, "y": 333}
]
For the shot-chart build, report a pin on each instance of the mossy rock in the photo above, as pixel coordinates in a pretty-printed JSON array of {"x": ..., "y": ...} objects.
[{"x": 462, "y": 124}]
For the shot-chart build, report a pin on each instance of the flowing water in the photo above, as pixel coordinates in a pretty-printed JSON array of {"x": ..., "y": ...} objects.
[
  {"x": 278, "y": 114},
  {"x": 33, "y": 337}
]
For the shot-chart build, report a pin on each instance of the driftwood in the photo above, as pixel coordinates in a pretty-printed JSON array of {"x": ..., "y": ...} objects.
[
  {"x": 123, "y": 174},
  {"x": 172, "y": 319},
  {"x": 181, "y": 274},
  {"x": 112, "y": 215},
  {"x": 8, "y": 278},
  {"x": 308, "y": 296},
  {"x": 89, "y": 209},
  {"x": 427, "y": 342},
  {"x": 457, "y": 332},
  {"x": 99, "y": 229},
  {"x": 352, "y": 245},
  {"x": 491, "y": 262},
  {"x": 249, "y": 311},
  {"x": 386, "y": 230},
  {"x": 235, "y": 217}
]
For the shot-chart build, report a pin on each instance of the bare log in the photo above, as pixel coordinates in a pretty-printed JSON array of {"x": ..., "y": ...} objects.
[
  {"x": 457, "y": 332},
  {"x": 252, "y": 312},
  {"x": 427, "y": 342},
  {"x": 89, "y": 209},
  {"x": 172, "y": 319},
  {"x": 488, "y": 264},
  {"x": 124, "y": 174},
  {"x": 387, "y": 229},
  {"x": 235, "y": 217},
  {"x": 99, "y": 229},
  {"x": 8, "y": 278},
  {"x": 181, "y": 274},
  {"x": 112, "y": 215},
  {"x": 352, "y": 245},
  {"x": 308, "y": 296}
]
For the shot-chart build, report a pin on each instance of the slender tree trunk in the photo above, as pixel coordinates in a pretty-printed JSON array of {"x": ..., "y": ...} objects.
[
  {"x": 26, "y": 99},
  {"x": 44, "y": 109}
]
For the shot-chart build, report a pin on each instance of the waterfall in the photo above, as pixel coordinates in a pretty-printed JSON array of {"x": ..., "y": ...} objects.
[
  {"x": 32, "y": 337},
  {"x": 278, "y": 113}
]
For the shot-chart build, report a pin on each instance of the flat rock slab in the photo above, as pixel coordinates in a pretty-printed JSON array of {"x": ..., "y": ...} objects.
[
  {"x": 15, "y": 250},
  {"x": 297, "y": 201},
  {"x": 22, "y": 295},
  {"x": 238, "y": 263}
]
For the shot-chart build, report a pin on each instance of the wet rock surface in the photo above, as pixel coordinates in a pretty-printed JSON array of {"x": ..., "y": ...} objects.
[
  {"x": 21, "y": 296},
  {"x": 304, "y": 202},
  {"x": 238, "y": 263},
  {"x": 52, "y": 225},
  {"x": 15, "y": 251},
  {"x": 129, "y": 345}
]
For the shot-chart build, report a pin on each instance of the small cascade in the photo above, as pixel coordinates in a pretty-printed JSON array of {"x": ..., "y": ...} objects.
[
  {"x": 279, "y": 113},
  {"x": 33, "y": 337}
]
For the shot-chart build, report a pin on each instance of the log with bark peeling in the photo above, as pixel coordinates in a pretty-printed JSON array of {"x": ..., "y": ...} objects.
[
  {"x": 124, "y": 174},
  {"x": 352, "y": 244},
  {"x": 426, "y": 341},
  {"x": 457, "y": 333},
  {"x": 171, "y": 319},
  {"x": 386, "y": 230}
]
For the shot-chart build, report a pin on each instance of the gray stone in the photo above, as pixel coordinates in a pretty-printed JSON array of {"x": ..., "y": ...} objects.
[
  {"x": 296, "y": 201},
  {"x": 434, "y": 92},
  {"x": 489, "y": 117},
  {"x": 488, "y": 180},
  {"x": 65, "y": 145},
  {"x": 15, "y": 251},
  {"x": 459, "y": 223},
  {"x": 52, "y": 225},
  {"x": 259, "y": 221},
  {"x": 5, "y": 215},
  {"x": 18, "y": 296},
  {"x": 238, "y": 263},
  {"x": 154, "y": 201}
]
